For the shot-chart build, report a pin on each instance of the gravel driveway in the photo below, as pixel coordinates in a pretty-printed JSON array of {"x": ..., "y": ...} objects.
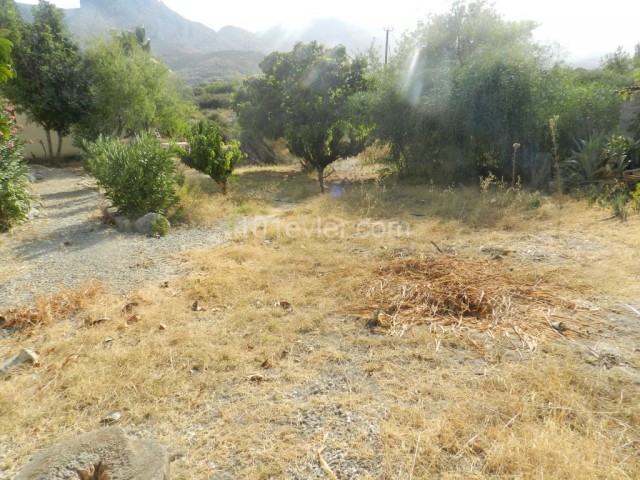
[{"x": 67, "y": 244}]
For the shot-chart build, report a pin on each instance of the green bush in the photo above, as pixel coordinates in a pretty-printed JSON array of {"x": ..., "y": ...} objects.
[
  {"x": 208, "y": 154},
  {"x": 161, "y": 226},
  {"x": 139, "y": 177},
  {"x": 15, "y": 199}
]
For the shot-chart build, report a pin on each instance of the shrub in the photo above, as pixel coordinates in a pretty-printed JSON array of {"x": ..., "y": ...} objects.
[
  {"x": 161, "y": 226},
  {"x": 208, "y": 154},
  {"x": 15, "y": 199},
  {"x": 139, "y": 177}
]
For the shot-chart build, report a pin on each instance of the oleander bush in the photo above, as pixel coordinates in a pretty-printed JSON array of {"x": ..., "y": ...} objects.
[
  {"x": 15, "y": 197},
  {"x": 139, "y": 176}
]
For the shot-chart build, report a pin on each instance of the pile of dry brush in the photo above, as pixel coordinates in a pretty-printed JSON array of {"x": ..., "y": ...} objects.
[{"x": 486, "y": 296}]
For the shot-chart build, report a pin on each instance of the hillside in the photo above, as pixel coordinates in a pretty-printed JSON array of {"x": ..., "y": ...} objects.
[
  {"x": 196, "y": 52},
  {"x": 226, "y": 65}
]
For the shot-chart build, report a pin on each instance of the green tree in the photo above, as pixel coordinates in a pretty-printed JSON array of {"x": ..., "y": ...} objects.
[
  {"x": 6, "y": 70},
  {"x": 133, "y": 92},
  {"x": 131, "y": 40},
  {"x": 209, "y": 154},
  {"x": 460, "y": 94},
  {"x": 304, "y": 97},
  {"x": 10, "y": 19},
  {"x": 467, "y": 85},
  {"x": 49, "y": 83}
]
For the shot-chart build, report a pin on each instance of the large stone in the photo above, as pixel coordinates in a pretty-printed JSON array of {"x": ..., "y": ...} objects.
[
  {"x": 123, "y": 224},
  {"x": 144, "y": 225},
  {"x": 123, "y": 457},
  {"x": 25, "y": 356}
]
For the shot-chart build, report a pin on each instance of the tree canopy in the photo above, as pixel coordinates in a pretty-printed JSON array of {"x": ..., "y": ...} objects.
[
  {"x": 304, "y": 97},
  {"x": 49, "y": 84},
  {"x": 133, "y": 92}
]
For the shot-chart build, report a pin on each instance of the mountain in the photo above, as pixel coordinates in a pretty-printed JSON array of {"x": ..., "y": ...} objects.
[
  {"x": 196, "y": 52},
  {"x": 328, "y": 31},
  {"x": 169, "y": 32}
]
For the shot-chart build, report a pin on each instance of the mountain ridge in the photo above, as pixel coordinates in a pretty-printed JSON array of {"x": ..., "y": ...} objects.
[{"x": 178, "y": 41}]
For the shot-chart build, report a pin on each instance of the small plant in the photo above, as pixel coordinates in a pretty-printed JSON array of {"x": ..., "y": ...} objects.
[
  {"x": 553, "y": 127},
  {"x": 15, "y": 199},
  {"x": 161, "y": 226},
  {"x": 616, "y": 197},
  {"x": 536, "y": 201},
  {"x": 208, "y": 153},
  {"x": 514, "y": 179},
  {"x": 635, "y": 197},
  {"x": 139, "y": 177}
]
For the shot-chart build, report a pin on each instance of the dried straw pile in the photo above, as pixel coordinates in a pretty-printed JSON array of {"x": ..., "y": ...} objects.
[
  {"x": 45, "y": 310},
  {"x": 466, "y": 293}
]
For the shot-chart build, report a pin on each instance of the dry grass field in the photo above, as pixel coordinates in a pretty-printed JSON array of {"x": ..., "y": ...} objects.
[{"x": 380, "y": 331}]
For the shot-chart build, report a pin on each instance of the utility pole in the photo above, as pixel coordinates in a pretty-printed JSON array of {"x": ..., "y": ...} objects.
[{"x": 386, "y": 45}]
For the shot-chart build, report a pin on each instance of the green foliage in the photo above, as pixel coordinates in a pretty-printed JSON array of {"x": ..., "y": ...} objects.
[
  {"x": 133, "y": 92},
  {"x": 459, "y": 94},
  {"x": 15, "y": 200},
  {"x": 304, "y": 97},
  {"x": 214, "y": 95},
  {"x": 615, "y": 196},
  {"x": 50, "y": 84},
  {"x": 161, "y": 226},
  {"x": 139, "y": 177},
  {"x": 597, "y": 159},
  {"x": 585, "y": 106},
  {"x": 586, "y": 164},
  {"x": 467, "y": 85},
  {"x": 131, "y": 40},
  {"x": 208, "y": 153},
  {"x": 635, "y": 196},
  {"x": 6, "y": 70}
]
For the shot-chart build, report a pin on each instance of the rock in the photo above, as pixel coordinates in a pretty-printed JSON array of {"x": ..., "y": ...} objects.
[
  {"x": 122, "y": 457},
  {"x": 123, "y": 224},
  {"x": 25, "y": 356},
  {"x": 33, "y": 213},
  {"x": 113, "y": 417},
  {"x": 144, "y": 225}
]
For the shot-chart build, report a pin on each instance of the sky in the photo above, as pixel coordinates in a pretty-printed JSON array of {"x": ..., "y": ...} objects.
[{"x": 581, "y": 28}]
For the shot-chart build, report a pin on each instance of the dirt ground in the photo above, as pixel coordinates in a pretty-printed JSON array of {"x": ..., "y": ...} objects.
[{"x": 317, "y": 341}]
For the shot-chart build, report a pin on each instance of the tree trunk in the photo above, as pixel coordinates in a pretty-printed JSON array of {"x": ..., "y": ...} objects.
[
  {"x": 223, "y": 187},
  {"x": 49, "y": 144},
  {"x": 321, "y": 178},
  {"x": 59, "y": 151}
]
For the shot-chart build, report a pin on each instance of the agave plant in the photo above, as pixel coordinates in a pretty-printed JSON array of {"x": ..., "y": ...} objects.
[{"x": 586, "y": 164}]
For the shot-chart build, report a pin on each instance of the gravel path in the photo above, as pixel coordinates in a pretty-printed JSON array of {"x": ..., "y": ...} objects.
[{"x": 68, "y": 245}]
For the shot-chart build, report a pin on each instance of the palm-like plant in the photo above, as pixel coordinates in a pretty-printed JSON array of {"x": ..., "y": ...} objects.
[{"x": 586, "y": 164}]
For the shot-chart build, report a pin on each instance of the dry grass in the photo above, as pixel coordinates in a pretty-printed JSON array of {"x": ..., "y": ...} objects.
[
  {"x": 483, "y": 295},
  {"x": 267, "y": 371},
  {"x": 46, "y": 310}
]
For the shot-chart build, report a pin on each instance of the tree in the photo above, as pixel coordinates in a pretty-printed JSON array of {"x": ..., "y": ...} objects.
[
  {"x": 6, "y": 70},
  {"x": 467, "y": 85},
  {"x": 303, "y": 97},
  {"x": 50, "y": 84},
  {"x": 133, "y": 92},
  {"x": 208, "y": 153},
  {"x": 130, "y": 40}
]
